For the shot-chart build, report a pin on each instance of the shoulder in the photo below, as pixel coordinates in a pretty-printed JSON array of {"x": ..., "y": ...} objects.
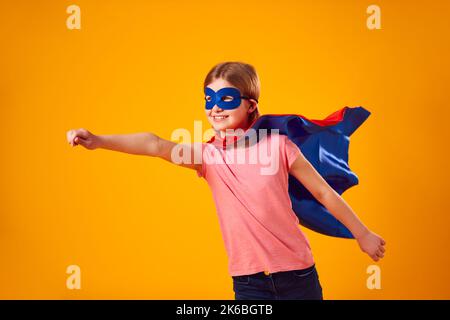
[{"x": 281, "y": 139}]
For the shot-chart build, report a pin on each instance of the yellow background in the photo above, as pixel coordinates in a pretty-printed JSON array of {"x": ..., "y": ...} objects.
[{"x": 142, "y": 228}]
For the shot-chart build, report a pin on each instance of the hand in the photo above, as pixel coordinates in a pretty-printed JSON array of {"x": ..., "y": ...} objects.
[
  {"x": 82, "y": 137},
  {"x": 372, "y": 244}
]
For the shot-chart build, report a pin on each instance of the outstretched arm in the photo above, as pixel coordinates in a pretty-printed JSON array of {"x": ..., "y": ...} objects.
[
  {"x": 143, "y": 143},
  {"x": 369, "y": 242}
]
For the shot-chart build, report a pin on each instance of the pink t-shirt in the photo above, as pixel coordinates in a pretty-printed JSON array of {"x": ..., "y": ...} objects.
[{"x": 259, "y": 227}]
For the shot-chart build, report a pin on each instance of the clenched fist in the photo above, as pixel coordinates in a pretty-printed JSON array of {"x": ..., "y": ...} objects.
[
  {"x": 372, "y": 244},
  {"x": 82, "y": 137}
]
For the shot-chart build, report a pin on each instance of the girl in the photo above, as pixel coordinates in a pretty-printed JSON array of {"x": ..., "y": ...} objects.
[{"x": 269, "y": 256}]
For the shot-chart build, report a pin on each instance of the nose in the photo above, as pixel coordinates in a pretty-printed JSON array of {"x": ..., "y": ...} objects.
[{"x": 216, "y": 108}]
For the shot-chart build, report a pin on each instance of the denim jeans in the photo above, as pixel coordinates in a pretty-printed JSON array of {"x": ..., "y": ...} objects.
[{"x": 301, "y": 284}]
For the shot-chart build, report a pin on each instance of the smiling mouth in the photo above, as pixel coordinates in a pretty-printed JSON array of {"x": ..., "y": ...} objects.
[{"x": 219, "y": 118}]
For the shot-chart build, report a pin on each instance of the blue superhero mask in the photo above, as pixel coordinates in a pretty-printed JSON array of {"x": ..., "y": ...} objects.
[{"x": 226, "y": 98}]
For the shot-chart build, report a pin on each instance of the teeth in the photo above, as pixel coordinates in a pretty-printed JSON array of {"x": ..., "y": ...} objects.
[{"x": 219, "y": 117}]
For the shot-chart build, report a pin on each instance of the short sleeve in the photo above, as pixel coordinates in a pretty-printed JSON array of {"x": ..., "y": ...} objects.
[
  {"x": 201, "y": 171},
  {"x": 292, "y": 151}
]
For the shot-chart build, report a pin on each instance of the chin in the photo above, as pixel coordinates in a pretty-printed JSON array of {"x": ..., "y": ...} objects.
[{"x": 221, "y": 126}]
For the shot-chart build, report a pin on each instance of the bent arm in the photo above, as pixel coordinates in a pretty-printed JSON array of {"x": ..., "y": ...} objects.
[
  {"x": 369, "y": 242},
  {"x": 302, "y": 169}
]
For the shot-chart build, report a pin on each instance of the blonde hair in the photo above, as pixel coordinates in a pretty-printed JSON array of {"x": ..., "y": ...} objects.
[{"x": 241, "y": 75}]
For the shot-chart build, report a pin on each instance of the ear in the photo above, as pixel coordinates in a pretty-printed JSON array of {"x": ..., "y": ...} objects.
[{"x": 253, "y": 105}]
